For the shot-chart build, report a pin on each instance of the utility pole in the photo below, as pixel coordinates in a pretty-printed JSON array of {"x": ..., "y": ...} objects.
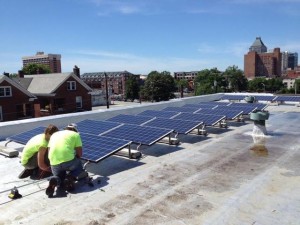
[{"x": 106, "y": 90}]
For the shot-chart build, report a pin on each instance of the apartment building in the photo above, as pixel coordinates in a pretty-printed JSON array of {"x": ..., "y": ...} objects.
[
  {"x": 260, "y": 63},
  {"x": 51, "y": 60}
]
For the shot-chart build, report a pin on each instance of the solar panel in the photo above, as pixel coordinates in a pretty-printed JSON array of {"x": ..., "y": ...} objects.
[
  {"x": 207, "y": 119},
  {"x": 288, "y": 98},
  {"x": 96, "y": 148},
  {"x": 130, "y": 119},
  {"x": 24, "y": 137},
  {"x": 229, "y": 113},
  {"x": 233, "y": 97},
  {"x": 247, "y": 109},
  {"x": 138, "y": 134},
  {"x": 181, "y": 109},
  {"x": 254, "y": 105},
  {"x": 95, "y": 126},
  {"x": 155, "y": 113},
  {"x": 180, "y": 126},
  {"x": 198, "y": 106},
  {"x": 264, "y": 97}
]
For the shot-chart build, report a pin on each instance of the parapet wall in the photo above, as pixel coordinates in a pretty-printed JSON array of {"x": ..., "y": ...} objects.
[{"x": 14, "y": 127}]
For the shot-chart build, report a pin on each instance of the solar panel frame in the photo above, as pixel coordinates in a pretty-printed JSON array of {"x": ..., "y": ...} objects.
[
  {"x": 230, "y": 114},
  {"x": 130, "y": 119},
  {"x": 138, "y": 134},
  {"x": 181, "y": 109},
  {"x": 156, "y": 113},
  {"x": 199, "y": 106},
  {"x": 207, "y": 119},
  {"x": 288, "y": 98},
  {"x": 179, "y": 126},
  {"x": 24, "y": 137},
  {"x": 102, "y": 146},
  {"x": 96, "y": 126}
]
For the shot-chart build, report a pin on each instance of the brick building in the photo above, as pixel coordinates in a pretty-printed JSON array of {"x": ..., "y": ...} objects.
[
  {"x": 115, "y": 80},
  {"x": 51, "y": 60},
  {"x": 260, "y": 63}
]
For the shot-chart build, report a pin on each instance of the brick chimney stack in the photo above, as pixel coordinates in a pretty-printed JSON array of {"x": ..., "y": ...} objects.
[
  {"x": 76, "y": 71},
  {"x": 21, "y": 74}
]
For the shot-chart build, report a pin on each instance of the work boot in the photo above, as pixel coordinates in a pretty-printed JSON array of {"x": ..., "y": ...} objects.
[
  {"x": 25, "y": 173},
  {"x": 69, "y": 183},
  {"x": 51, "y": 187}
]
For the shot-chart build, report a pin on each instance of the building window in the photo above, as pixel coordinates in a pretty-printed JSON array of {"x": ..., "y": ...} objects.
[
  {"x": 5, "y": 91},
  {"x": 78, "y": 102},
  {"x": 71, "y": 85}
]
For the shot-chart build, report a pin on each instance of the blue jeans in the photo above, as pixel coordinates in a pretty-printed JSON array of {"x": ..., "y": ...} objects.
[{"x": 74, "y": 167}]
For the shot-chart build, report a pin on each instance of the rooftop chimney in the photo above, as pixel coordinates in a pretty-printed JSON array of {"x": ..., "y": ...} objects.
[
  {"x": 21, "y": 73},
  {"x": 76, "y": 71}
]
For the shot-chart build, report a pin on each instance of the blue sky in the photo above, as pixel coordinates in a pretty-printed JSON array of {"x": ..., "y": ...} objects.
[{"x": 145, "y": 35}]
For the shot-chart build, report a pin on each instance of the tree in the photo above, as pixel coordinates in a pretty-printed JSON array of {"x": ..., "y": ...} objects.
[
  {"x": 33, "y": 68},
  {"x": 132, "y": 88},
  {"x": 235, "y": 79},
  {"x": 208, "y": 81},
  {"x": 159, "y": 86}
]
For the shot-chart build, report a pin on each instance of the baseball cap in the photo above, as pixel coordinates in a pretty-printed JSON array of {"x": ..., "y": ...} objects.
[{"x": 72, "y": 126}]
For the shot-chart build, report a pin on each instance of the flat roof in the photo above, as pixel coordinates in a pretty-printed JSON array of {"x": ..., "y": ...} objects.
[{"x": 227, "y": 177}]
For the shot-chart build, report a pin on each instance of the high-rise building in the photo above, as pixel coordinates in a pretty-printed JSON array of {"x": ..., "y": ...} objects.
[
  {"x": 258, "y": 46},
  {"x": 289, "y": 61},
  {"x": 260, "y": 63},
  {"x": 51, "y": 60}
]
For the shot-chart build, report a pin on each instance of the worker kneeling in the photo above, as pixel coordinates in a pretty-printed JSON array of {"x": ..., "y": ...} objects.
[{"x": 65, "y": 151}]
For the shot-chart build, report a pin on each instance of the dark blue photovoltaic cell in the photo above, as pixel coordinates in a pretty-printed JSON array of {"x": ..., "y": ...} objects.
[
  {"x": 199, "y": 106},
  {"x": 260, "y": 106},
  {"x": 130, "y": 119},
  {"x": 24, "y": 137},
  {"x": 208, "y": 120},
  {"x": 233, "y": 97},
  {"x": 246, "y": 109},
  {"x": 155, "y": 113},
  {"x": 95, "y": 126},
  {"x": 288, "y": 98},
  {"x": 138, "y": 134},
  {"x": 229, "y": 113},
  {"x": 180, "y": 109},
  {"x": 96, "y": 148},
  {"x": 180, "y": 126},
  {"x": 264, "y": 97}
]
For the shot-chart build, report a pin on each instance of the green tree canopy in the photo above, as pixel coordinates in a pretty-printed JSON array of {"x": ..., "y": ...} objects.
[
  {"x": 33, "y": 68},
  {"x": 159, "y": 86},
  {"x": 132, "y": 88},
  {"x": 235, "y": 79},
  {"x": 208, "y": 81}
]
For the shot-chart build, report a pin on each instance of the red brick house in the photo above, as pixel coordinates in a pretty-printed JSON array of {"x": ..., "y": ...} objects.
[
  {"x": 15, "y": 101},
  {"x": 57, "y": 93}
]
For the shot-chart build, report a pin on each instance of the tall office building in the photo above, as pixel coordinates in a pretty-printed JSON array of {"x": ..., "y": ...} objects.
[
  {"x": 258, "y": 46},
  {"x": 260, "y": 63},
  {"x": 51, "y": 60},
  {"x": 289, "y": 61}
]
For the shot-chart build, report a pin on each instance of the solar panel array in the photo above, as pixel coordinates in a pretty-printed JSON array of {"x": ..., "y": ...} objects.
[
  {"x": 181, "y": 109},
  {"x": 288, "y": 98},
  {"x": 138, "y": 134},
  {"x": 247, "y": 108},
  {"x": 207, "y": 119},
  {"x": 199, "y": 106},
  {"x": 96, "y": 126},
  {"x": 97, "y": 148},
  {"x": 24, "y": 137},
  {"x": 229, "y": 113},
  {"x": 180, "y": 126},
  {"x": 155, "y": 113},
  {"x": 255, "y": 105},
  {"x": 130, "y": 119}
]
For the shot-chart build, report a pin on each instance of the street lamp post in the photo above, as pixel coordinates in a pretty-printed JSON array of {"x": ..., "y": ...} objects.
[{"x": 106, "y": 90}]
